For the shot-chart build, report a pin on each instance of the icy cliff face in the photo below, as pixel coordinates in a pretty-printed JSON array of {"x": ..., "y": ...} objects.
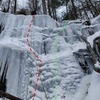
[{"x": 60, "y": 75}]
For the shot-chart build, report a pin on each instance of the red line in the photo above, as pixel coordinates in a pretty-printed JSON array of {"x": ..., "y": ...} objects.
[
  {"x": 29, "y": 30},
  {"x": 40, "y": 65},
  {"x": 30, "y": 49},
  {"x": 36, "y": 85},
  {"x": 37, "y": 79},
  {"x": 33, "y": 53},
  {"x": 28, "y": 35},
  {"x": 27, "y": 40},
  {"x": 31, "y": 20},
  {"x": 40, "y": 60},
  {"x": 39, "y": 71},
  {"x": 37, "y": 56},
  {"x": 35, "y": 90},
  {"x": 38, "y": 74},
  {"x": 34, "y": 95},
  {"x": 30, "y": 25},
  {"x": 28, "y": 44},
  {"x": 33, "y": 16}
]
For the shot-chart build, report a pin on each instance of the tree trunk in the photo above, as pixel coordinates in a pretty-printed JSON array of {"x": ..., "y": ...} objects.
[
  {"x": 66, "y": 5},
  {"x": 0, "y": 2},
  {"x": 15, "y": 7},
  {"x": 73, "y": 10},
  {"x": 95, "y": 10},
  {"x": 49, "y": 8},
  {"x": 80, "y": 14},
  {"x": 33, "y": 3},
  {"x": 36, "y": 3},
  {"x": 55, "y": 14},
  {"x": 89, "y": 8},
  {"x": 85, "y": 11},
  {"x": 8, "y": 5},
  {"x": 44, "y": 7}
]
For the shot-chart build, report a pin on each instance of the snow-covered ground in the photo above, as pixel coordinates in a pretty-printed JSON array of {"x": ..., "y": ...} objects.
[{"x": 54, "y": 43}]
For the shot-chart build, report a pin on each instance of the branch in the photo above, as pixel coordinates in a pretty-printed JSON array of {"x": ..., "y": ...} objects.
[
  {"x": 9, "y": 96},
  {"x": 95, "y": 61}
]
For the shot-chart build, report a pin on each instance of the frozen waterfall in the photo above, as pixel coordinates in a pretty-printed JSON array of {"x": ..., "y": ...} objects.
[{"x": 54, "y": 43}]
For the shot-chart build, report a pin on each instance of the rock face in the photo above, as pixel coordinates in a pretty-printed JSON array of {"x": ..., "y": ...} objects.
[{"x": 55, "y": 44}]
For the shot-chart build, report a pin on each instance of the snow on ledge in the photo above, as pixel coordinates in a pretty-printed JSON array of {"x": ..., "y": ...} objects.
[{"x": 92, "y": 37}]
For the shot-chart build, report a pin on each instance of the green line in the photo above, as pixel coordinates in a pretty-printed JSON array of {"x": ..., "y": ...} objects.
[{"x": 56, "y": 60}]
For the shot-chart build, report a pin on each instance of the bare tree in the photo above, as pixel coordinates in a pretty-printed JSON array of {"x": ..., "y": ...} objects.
[
  {"x": 34, "y": 4},
  {"x": 44, "y": 7},
  {"x": 49, "y": 8},
  {"x": 0, "y": 2},
  {"x": 73, "y": 10},
  {"x": 95, "y": 9},
  {"x": 8, "y": 5},
  {"x": 85, "y": 11},
  {"x": 5, "y": 6},
  {"x": 66, "y": 5},
  {"x": 15, "y": 6},
  {"x": 89, "y": 7}
]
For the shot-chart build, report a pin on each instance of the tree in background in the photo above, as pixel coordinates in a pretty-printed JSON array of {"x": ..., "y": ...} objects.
[
  {"x": 15, "y": 6},
  {"x": 44, "y": 7},
  {"x": 85, "y": 9},
  {"x": 66, "y": 3},
  {"x": 74, "y": 10},
  {"x": 52, "y": 6},
  {"x": 49, "y": 8},
  {"x": 0, "y": 2},
  {"x": 93, "y": 7},
  {"x": 8, "y": 6},
  {"x": 33, "y": 6},
  {"x": 5, "y": 5}
]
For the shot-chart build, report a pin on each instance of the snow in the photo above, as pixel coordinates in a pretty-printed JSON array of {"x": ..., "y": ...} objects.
[
  {"x": 94, "y": 89},
  {"x": 84, "y": 85},
  {"x": 92, "y": 37},
  {"x": 61, "y": 10},
  {"x": 96, "y": 20}
]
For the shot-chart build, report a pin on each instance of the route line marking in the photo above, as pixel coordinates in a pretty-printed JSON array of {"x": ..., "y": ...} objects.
[
  {"x": 33, "y": 53},
  {"x": 29, "y": 29},
  {"x": 56, "y": 59}
]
